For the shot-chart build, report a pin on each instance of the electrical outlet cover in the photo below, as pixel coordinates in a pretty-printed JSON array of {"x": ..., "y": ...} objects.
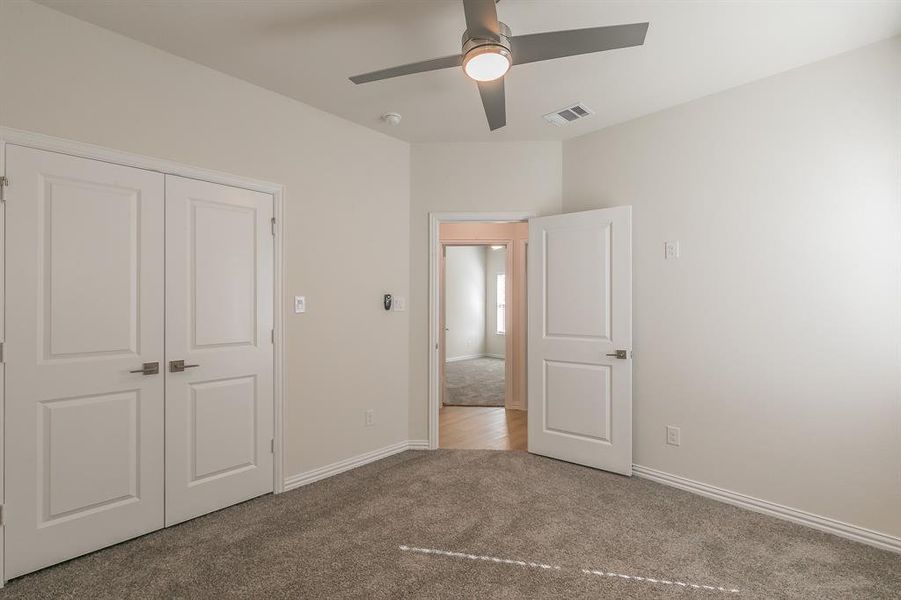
[
  {"x": 671, "y": 250},
  {"x": 673, "y": 435}
]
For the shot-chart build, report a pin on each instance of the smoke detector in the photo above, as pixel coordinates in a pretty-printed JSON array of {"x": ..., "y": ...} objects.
[
  {"x": 391, "y": 118},
  {"x": 567, "y": 115}
]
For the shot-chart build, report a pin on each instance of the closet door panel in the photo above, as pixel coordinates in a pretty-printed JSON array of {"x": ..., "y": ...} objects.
[
  {"x": 219, "y": 400},
  {"x": 84, "y": 431}
]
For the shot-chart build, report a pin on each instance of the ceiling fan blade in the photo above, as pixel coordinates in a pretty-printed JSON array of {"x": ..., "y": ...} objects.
[
  {"x": 492, "y": 93},
  {"x": 435, "y": 64},
  {"x": 481, "y": 19},
  {"x": 557, "y": 44}
]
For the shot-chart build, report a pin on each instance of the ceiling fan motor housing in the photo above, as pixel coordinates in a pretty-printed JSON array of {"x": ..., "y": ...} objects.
[
  {"x": 487, "y": 53},
  {"x": 474, "y": 46}
]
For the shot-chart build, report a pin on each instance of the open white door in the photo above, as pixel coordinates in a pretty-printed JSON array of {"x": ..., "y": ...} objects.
[
  {"x": 580, "y": 338},
  {"x": 219, "y": 379}
]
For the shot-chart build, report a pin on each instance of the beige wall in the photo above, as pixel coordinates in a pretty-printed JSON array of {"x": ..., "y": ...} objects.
[
  {"x": 773, "y": 342},
  {"x": 464, "y": 302},
  {"x": 347, "y": 211},
  {"x": 470, "y": 273},
  {"x": 488, "y": 177}
]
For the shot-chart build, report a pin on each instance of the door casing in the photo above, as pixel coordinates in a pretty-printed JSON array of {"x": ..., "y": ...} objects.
[{"x": 83, "y": 150}]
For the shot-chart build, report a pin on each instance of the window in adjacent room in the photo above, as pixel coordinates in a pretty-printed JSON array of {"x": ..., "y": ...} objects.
[{"x": 501, "y": 304}]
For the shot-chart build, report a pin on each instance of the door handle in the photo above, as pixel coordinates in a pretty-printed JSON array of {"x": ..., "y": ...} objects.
[
  {"x": 621, "y": 354},
  {"x": 149, "y": 368},
  {"x": 177, "y": 366}
]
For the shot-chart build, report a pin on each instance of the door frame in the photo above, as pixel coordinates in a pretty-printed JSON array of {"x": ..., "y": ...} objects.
[
  {"x": 40, "y": 141},
  {"x": 435, "y": 221}
]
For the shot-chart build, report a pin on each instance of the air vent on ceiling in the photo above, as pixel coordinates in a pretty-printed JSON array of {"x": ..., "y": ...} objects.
[{"x": 567, "y": 115}]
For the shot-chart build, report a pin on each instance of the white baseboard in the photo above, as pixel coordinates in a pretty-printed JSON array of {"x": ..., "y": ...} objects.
[
  {"x": 466, "y": 357},
  {"x": 839, "y": 528},
  {"x": 301, "y": 479},
  {"x": 473, "y": 356}
]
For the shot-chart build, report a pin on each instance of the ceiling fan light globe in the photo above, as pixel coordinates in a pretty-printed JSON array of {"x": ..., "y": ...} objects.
[{"x": 486, "y": 63}]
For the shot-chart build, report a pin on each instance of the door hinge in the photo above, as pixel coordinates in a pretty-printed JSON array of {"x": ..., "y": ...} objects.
[
  {"x": 4, "y": 183},
  {"x": 2, "y": 516},
  {"x": 272, "y": 335},
  {"x": 2, "y": 358},
  {"x": 272, "y": 446},
  {"x": 273, "y": 225}
]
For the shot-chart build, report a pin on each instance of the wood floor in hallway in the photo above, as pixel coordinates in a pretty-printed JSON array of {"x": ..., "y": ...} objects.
[{"x": 481, "y": 428}]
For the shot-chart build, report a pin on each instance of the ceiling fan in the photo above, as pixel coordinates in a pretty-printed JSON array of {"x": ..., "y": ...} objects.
[{"x": 490, "y": 49}]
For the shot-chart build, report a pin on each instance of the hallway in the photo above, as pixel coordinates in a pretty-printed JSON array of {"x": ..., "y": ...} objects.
[
  {"x": 475, "y": 382},
  {"x": 482, "y": 428}
]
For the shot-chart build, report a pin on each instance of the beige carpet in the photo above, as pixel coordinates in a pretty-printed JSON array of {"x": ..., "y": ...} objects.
[
  {"x": 475, "y": 382},
  {"x": 477, "y": 524}
]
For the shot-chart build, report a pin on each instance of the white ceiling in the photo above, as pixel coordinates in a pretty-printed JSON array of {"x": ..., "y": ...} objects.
[{"x": 307, "y": 49}]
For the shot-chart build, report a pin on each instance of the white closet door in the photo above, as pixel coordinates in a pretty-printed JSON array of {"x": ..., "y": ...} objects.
[
  {"x": 580, "y": 338},
  {"x": 84, "y": 433},
  {"x": 219, "y": 408}
]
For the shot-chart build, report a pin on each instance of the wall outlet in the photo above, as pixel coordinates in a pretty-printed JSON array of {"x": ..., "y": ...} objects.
[
  {"x": 673, "y": 435},
  {"x": 369, "y": 417},
  {"x": 300, "y": 304},
  {"x": 400, "y": 303},
  {"x": 671, "y": 250}
]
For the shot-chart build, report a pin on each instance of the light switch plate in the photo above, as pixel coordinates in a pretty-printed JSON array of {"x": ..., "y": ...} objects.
[
  {"x": 400, "y": 303},
  {"x": 300, "y": 304}
]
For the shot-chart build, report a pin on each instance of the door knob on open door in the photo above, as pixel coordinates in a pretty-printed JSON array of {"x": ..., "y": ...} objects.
[
  {"x": 177, "y": 366},
  {"x": 622, "y": 354}
]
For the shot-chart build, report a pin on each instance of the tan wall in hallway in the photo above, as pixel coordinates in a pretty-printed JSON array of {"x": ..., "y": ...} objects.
[{"x": 464, "y": 319}]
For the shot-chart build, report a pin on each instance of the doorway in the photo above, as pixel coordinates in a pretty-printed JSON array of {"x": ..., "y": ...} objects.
[
  {"x": 482, "y": 329},
  {"x": 577, "y": 342}
]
